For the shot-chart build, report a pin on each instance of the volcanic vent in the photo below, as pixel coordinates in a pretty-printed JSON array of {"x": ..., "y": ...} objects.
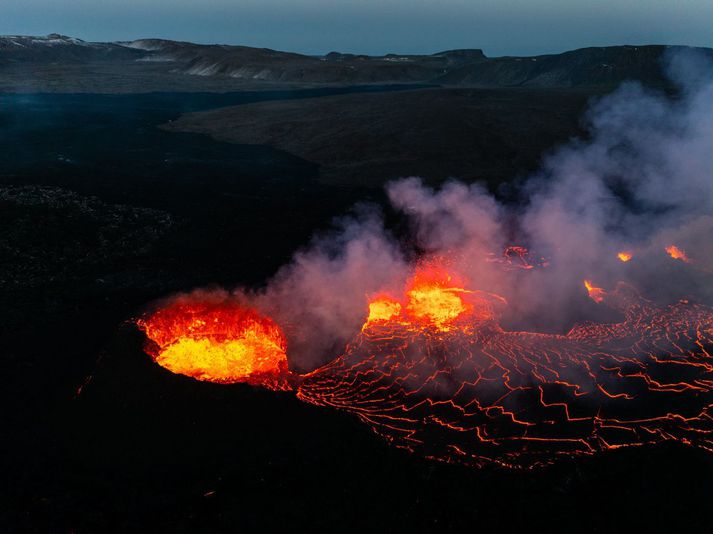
[
  {"x": 448, "y": 347},
  {"x": 434, "y": 372},
  {"x": 217, "y": 340}
]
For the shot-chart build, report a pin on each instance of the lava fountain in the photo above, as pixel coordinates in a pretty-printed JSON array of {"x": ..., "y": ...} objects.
[{"x": 434, "y": 298}]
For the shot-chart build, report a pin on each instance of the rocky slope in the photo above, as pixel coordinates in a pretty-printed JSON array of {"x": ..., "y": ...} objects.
[
  {"x": 59, "y": 48},
  {"x": 247, "y": 63}
]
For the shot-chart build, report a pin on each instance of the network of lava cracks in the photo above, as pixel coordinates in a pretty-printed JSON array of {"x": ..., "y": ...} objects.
[{"x": 432, "y": 371}]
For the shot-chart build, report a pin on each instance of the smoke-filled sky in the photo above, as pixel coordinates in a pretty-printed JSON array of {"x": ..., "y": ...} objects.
[{"x": 499, "y": 27}]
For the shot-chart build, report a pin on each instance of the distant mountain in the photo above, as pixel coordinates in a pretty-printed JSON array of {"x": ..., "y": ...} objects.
[
  {"x": 584, "y": 67},
  {"x": 59, "y": 48},
  {"x": 149, "y": 64},
  {"x": 246, "y": 63}
]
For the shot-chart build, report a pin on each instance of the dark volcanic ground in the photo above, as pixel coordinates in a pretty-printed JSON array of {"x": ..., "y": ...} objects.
[
  {"x": 102, "y": 212},
  {"x": 485, "y": 135}
]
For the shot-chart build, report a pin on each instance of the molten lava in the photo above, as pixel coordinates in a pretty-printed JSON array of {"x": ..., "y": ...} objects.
[
  {"x": 595, "y": 293},
  {"x": 218, "y": 341},
  {"x": 624, "y": 256},
  {"x": 435, "y": 298},
  {"x": 677, "y": 254},
  {"x": 520, "y": 399},
  {"x": 383, "y": 308},
  {"x": 433, "y": 371}
]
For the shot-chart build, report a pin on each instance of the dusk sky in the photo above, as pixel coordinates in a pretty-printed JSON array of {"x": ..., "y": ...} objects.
[{"x": 499, "y": 27}]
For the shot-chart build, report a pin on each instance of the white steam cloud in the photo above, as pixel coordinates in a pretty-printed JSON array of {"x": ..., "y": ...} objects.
[{"x": 642, "y": 180}]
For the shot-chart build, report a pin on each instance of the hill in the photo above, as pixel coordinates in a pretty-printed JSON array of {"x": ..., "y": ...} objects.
[{"x": 65, "y": 64}]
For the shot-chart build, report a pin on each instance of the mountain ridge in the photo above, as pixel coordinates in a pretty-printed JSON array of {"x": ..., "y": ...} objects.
[{"x": 234, "y": 66}]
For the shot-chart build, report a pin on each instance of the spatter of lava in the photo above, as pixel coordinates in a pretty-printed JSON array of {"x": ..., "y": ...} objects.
[{"x": 432, "y": 371}]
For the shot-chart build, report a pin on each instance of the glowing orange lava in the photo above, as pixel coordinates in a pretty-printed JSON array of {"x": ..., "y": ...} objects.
[
  {"x": 624, "y": 256},
  {"x": 433, "y": 298},
  {"x": 595, "y": 293},
  {"x": 434, "y": 372},
  {"x": 217, "y": 342},
  {"x": 676, "y": 253},
  {"x": 383, "y": 308},
  {"x": 523, "y": 399}
]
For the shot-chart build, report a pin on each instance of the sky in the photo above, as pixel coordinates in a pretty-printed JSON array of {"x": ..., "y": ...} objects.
[{"x": 499, "y": 27}]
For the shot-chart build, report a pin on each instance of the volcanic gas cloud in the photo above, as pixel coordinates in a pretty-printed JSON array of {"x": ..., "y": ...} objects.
[{"x": 574, "y": 321}]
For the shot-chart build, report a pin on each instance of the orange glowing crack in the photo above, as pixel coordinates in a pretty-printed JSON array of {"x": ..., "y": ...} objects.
[{"x": 432, "y": 371}]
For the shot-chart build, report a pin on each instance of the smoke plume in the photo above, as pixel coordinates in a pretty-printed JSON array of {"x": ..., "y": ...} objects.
[{"x": 641, "y": 181}]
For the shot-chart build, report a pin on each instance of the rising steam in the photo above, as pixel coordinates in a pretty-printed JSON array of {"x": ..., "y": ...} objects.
[
  {"x": 575, "y": 321},
  {"x": 640, "y": 182},
  {"x": 633, "y": 202}
]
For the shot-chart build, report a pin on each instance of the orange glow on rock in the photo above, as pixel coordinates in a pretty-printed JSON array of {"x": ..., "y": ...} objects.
[
  {"x": 676, "y": 253},
  {"x": 221, "y": 342}
]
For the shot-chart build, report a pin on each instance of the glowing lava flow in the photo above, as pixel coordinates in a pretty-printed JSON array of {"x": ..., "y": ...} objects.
[
  {"x": 433, "y": 372},
  {"x": 521, "y": 399},
  {"x": 595, "y": 293},
  {"x": 218, "y": 341}
]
